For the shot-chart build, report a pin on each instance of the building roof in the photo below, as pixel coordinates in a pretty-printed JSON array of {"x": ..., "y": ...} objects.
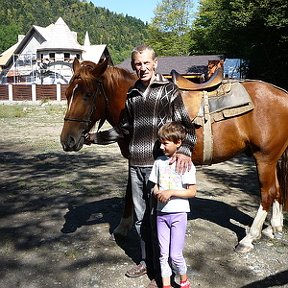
[
  {"x": 58, "y": 36},
  {"x": 6, "y": 55},
  {"x": 184, "y": 65},
  {"x": 95, "y": 52}
]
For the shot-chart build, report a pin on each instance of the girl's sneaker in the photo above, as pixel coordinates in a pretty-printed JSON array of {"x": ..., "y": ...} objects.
[{"x": 185, "y": 284}]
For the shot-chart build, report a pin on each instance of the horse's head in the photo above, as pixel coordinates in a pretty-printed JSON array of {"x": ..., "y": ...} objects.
[{"x": 84, "y": 94}]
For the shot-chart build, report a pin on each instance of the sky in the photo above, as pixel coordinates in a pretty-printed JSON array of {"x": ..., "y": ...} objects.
[{"x": 139, "y": 9}]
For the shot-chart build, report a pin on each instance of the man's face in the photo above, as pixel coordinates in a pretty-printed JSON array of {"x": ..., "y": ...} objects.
[{"x": 145, "y": 66}]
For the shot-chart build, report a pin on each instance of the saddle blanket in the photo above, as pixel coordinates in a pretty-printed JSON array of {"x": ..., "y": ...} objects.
[{"x": 229, "y": 100}]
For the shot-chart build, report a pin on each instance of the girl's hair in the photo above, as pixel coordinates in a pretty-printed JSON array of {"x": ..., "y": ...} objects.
[{"x": 172, "y": 131}]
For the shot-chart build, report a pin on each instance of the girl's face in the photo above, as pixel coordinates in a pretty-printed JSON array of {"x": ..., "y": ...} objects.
[{"x": 169, "y": 147}]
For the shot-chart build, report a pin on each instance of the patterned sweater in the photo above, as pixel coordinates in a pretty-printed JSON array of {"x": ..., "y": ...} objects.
[{"x": 146, "y": 112}]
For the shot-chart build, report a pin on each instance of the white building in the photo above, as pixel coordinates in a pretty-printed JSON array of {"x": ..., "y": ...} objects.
[{"x": 45, "y": 55}]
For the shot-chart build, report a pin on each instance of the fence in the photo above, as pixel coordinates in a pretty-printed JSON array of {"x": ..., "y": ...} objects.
[{"x": 33, "y": 92}]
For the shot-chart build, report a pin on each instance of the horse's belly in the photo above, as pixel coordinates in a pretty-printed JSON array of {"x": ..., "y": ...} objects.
[{"x": 225, "y": 142}]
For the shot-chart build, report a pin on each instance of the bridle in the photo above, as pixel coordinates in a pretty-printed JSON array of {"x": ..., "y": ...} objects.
[{"x": 99, "y": 90}]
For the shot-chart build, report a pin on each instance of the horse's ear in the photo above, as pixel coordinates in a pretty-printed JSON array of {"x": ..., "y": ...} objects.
[
  {"x": 101, "y": 67},
  {"x": 76, "y": 64},
  {"x": 103, "y": 60}
]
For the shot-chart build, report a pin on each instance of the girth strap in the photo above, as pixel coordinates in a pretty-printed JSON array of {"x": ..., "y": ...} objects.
[{"x": 207, "y": 133}]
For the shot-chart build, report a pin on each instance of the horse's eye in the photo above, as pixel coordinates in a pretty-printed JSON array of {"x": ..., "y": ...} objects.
[{"x": 88, "y": 96}]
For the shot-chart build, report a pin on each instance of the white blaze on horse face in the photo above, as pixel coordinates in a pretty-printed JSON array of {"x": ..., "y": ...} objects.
[{"x": 71, "y": 100}]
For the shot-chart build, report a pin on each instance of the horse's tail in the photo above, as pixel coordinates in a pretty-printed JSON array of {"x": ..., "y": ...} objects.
[{"x": 282, "y": 172}]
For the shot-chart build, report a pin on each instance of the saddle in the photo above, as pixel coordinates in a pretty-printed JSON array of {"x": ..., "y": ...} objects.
[
  {"x": 218, "y": 97},
  {"x": 185, "y": 84},
  {"x": 212, "y": 101}
]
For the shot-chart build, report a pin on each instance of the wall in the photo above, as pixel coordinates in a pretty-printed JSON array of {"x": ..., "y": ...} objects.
[{"x": 34, "y": 92}]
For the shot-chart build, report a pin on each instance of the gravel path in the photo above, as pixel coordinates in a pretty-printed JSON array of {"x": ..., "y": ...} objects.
[{"x": 40, "y": 183}]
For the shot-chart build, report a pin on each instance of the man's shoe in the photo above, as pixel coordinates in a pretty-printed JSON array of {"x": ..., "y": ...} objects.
[
  {"x": 137, "y": 271},
  {"x": 153, "y": 284}
]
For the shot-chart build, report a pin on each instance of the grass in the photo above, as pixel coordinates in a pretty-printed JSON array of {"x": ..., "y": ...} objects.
[
  {"x": 13, "y": 111},
  {"x": 52, "y": 108},
  {"x": 24, "y": 110}
]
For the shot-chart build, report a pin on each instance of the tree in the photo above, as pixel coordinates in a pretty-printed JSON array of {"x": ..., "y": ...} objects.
[
  {"x": 104, "y": 27},
  {"x": 254, "y": 30},
  {"x": 8, "y": 36},
  {"x": 168, "y": 32}
]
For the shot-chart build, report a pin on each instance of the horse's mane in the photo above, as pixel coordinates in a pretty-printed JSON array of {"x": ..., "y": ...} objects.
[
  {"x": 84, "y": 74},
  {"x": 119, "y": 74},
  {"x": 112, "y": 76},
  {"x": 116, "y": 76}
]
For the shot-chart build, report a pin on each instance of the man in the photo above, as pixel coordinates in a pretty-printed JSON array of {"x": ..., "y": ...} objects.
[{"x": 152, "y": 102}]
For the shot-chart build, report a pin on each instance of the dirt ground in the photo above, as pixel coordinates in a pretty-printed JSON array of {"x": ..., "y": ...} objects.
[{"x": 45, "y": 245}]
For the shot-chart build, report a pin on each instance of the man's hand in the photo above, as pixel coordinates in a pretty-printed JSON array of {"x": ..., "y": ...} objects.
[
  {"x": 183, "y": 163},
  {"x": 89, "y": 138},
  {"x": 163, "y": 195}
]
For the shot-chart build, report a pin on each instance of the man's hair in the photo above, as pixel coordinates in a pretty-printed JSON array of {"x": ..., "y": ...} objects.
[
  {"x": 172, "y": 131},
  {"x": 140, "y": 49}
]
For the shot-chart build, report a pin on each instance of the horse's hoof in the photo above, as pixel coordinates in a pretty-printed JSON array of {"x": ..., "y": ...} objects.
[
  {"x": 278, "y": 235},
  {"x": 268, "y": 232},
  {"x": 240, "y": 248}
]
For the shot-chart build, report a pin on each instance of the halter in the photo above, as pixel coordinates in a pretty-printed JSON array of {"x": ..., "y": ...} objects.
[{"x": 88, "y": 121}]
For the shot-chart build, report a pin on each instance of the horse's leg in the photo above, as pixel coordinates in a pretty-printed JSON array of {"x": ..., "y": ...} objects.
[
  {"x": 246, "y": 244},
  {"x": 275, "y": 229},
  {"x": 126, "y": 221},
  {"x": 277, "y": 219},
  {"x": 269, "y": 189}
]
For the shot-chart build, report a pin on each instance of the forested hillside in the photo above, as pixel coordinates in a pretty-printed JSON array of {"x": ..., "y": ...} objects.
[{"x": 120, "y": 33}]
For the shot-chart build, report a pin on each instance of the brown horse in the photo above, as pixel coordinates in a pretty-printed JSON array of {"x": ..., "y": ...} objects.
[{"x": 98, "y": 92}]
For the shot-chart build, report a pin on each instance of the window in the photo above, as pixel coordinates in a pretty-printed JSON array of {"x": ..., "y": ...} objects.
[
  {"x": 66, "y": 56},
  {"x": 52, "y": 56}
]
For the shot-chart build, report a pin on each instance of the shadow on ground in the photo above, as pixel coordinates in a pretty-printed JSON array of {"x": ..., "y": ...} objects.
[
  {"x": 56, "y": 210},
  {"x": 277, "y": 279}
]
